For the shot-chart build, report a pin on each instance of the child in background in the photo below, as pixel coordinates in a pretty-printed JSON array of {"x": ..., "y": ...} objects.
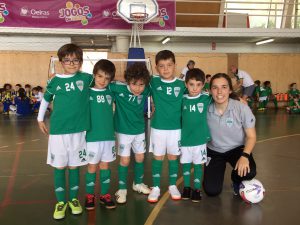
[
  {"x": 167, "y": 92},
  {"x": 37, "y": 97},
  {"x": 22, "y": 103},
  {"x": 255, "y": 96},
  {"x": 295, "y": 106},
  {"x": 292, "y": 92},
  {"x": 28, "y": 90},
  {"x": 69, "y": 121},
  {"x": 266, "y": 95},
  {"x": 16, "y": 90},
  {"x": 194, "y": 133},
  {"x": 130, "y": 126},
  {"x": 101, "y": 137},
  {"x": 206, "y": 87},
  {"x": 6, "y": 97}
]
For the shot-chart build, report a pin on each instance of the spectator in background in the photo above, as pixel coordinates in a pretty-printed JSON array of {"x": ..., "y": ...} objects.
[
  {"x": 190, "y": 65},
  {"x": 245, "y": 81}
]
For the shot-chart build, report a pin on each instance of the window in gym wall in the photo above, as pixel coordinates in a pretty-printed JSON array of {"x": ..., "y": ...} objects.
[{"x": 261, "y": 13}]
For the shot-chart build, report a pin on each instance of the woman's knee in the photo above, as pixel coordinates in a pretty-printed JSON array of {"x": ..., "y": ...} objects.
[{"x": 212, "y": 190}]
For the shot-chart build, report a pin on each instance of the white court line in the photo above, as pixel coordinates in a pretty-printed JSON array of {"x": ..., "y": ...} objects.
[
  {"x": 35, "y": 140},
  {"x": 5, "y": 146},
  {"x": 20, "y": 143}
]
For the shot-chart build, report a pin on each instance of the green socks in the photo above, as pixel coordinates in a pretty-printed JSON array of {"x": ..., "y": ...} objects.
[
  {"x": 73, "y": 183},
  {"x": 60, "y": 184},
  {"x": 173, "y": 171},
  {"x": 198, "y": 173},
  {"x": 90, "y": 180},
  {"x": 186, "y": 167},
  {"x": 123, "y": 171},
  {"x": 156, "y": 172},
  {"x": 138, "y": 172},
  {"x": 105, "y": 181}
]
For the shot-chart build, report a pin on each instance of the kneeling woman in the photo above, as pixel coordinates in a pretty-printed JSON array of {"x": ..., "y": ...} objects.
[{"x": 233, "y": 137}]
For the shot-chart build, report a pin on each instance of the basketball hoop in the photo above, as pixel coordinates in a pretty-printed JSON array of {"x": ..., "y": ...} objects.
[{"x": 138, "y": 17}]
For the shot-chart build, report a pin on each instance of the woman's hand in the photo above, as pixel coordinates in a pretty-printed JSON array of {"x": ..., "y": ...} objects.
[
  {"x": 242, "y": 166},
  {"x": 43, "y": 127}
]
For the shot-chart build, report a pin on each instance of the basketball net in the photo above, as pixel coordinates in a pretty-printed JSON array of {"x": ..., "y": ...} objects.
[{"x": 138, "y": 20}]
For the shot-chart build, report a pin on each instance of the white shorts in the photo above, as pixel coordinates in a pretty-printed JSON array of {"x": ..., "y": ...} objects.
[
  {"x": 194, "y": 154},
  {"x": 67, "y": 150},
  {"x": 126, "y": 142},
  {"x": 100, "y": 151},
  {"x": 165, "y": 141},
  {"x": 261, "y": 99}
]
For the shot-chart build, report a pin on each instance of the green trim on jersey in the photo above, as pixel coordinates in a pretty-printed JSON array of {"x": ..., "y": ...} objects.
[
  {"x": 129, "y": 114},
  {"x": 70, "y": 95},
  {"x": 195, "y": 130},
  {"x": 102, "y": 124},
  {"x": 167, "y": 97}
]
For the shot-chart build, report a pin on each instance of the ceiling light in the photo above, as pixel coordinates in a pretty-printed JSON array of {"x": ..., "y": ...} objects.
[
  {"x": 264, "y": 42},
  {"x": 165, "y": 40}
]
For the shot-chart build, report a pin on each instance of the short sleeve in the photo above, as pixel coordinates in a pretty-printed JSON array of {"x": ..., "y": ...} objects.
[
  {"x": 50, "y": 91},
  {"x": 248, "y": 119}
]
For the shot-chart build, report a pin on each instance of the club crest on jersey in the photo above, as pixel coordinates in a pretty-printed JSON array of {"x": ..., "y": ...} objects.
[
  {"x": 176, "y": 91},
  {"x": 91, "y": 98},
  {"x": 108, "y": 98},
  {"x": 79, "y": 84},
  {"x": 159, "y": 88},
  {"x": 58, "y": 88},
  {"x": 229, "y": 122},
  {"x": 200, "y": 107},
  {"x": 139, "y": 99}
]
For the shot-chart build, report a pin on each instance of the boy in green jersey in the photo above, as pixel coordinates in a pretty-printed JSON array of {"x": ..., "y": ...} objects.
[
  {"x": 167, "y": 92},
  {"x": 100, "y": 138},
  {"x": 292, "y": 92},
  {"x": 130, "y": 126},
  {"x": 266, "y": 95},
  {"x": 194, "y": 133},
  {"x": 68, "y": 122},
  {"x": 295, "y": 107}
]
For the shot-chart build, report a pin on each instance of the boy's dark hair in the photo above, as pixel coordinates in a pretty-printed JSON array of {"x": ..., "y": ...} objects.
[
  {"x": 137, "y": 71},
  {"x": 266, "y": 83},
  {"x": 257, "y": 82},
  {"x": 22, "y": 93},
  {"x": 5, "y": 85},
  {"x": 27, "y": 86},
  {"x": 292, "y": 84},
  {"x": 19, "y": 85},
  {"x": 195, "y": 74},
  {"x": 39, "y": 88},
  {"x": 70, "y": 49},
  {"x": 207, "y": 76},
  {"x": 190, "y": 62},
  {"x": 106, "y": 66},
  {"x": 164, "y": 55}
]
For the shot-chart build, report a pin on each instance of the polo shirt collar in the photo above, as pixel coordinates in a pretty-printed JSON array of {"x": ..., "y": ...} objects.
[{"x": 212, "y": 108}]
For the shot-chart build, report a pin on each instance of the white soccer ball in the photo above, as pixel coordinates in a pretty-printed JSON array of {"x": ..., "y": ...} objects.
[{"x": 252, "y": 191}]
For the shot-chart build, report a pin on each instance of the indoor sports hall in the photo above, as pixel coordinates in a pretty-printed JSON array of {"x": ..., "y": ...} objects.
[{"x": 260, "y": 38}]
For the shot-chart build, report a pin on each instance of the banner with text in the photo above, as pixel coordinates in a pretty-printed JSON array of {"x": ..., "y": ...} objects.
[{"x": 78, "y": 14}]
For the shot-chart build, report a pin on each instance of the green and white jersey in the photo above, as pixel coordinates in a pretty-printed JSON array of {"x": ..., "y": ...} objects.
[
  {"x": 293, "y": 92},
  {"x": 102, "y": 123},
  {"x": 129, "y": 114},
  {"x": 265, "y": 91},
  {"x": 167, "y": 97},
  {"x": 194, "y": 129},
  {"x": 70, "y": 95}
]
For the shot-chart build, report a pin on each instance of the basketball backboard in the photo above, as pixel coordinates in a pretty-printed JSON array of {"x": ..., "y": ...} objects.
[{"x": 127, "y": 9}]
